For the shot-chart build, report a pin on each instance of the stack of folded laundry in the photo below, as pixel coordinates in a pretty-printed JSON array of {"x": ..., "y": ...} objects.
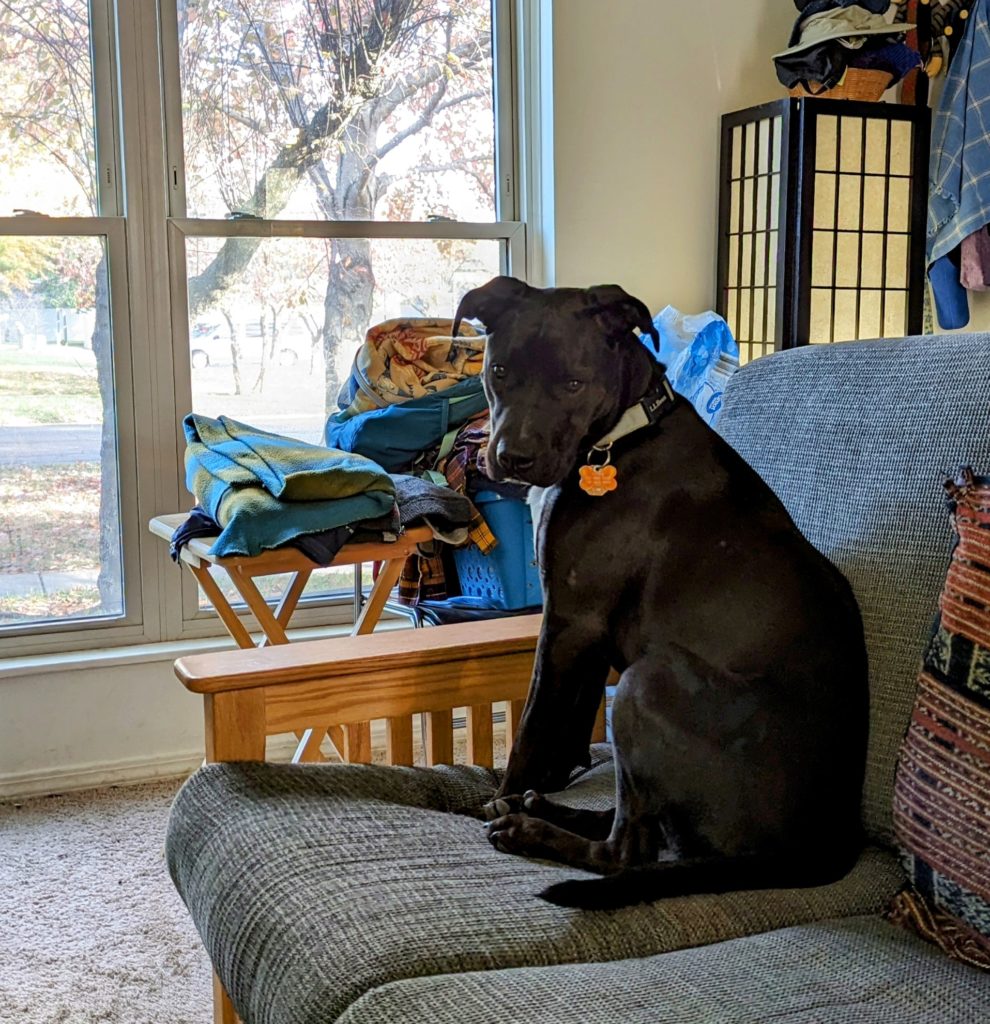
[
  {"x": 259, "y": 491},
  {"x": 831, "y": 36}
]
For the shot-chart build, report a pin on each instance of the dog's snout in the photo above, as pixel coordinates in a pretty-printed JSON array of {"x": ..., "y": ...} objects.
[{"x": 513, "y": 462}]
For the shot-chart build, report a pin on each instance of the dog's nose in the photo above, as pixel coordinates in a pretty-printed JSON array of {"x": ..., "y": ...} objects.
[{"x": 513, "y": 462}]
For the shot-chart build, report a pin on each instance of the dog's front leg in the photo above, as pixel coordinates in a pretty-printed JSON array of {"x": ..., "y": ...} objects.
[{"x": 566, "y": 690}]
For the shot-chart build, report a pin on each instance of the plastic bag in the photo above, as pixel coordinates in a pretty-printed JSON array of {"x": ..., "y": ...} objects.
[{"x": 700, "y": 355}]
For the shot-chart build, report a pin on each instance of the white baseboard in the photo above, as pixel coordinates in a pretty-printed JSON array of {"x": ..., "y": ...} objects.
[
  {"x": 128, "y": 771},
  {"x": 44, "y": 782}
]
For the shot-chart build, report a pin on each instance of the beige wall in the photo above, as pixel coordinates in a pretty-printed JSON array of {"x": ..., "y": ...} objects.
[
  {"x": 96, "y": 726},
  {"x": 638, "y": 89}
]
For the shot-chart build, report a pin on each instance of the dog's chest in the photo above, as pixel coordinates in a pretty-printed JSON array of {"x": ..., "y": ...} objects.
[{"x": 588, "y": 547}]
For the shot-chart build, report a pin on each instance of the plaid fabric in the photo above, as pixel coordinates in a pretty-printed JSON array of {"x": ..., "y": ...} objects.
[
  {"x": 480, "y": 533},
  {"x": 959, "y": 177},
  {"x": 424, "y": 576},
  {"x": 942, "y": 793},
  {"x": 856, "y": 440},
  {"x": 467, "y": 457},
  {"x": 856, "y": 971},
  {"x": 313, "y": 884}
]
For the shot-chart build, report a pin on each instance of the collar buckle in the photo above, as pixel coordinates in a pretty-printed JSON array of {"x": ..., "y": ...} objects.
[{"x": 655, "y": 403}]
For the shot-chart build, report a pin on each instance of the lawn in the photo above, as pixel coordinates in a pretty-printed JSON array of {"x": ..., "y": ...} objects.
[
  {"x": 49, "y": 514},
  {"x": 49, "y": 518},
  {"x": 49, "y": 523},
  {"x": 73, "y": 603},
  {"x": 56, "y": 385}
]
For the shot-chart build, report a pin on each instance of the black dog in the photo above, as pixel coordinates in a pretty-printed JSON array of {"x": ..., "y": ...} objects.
[{"x": 740, "y": 718}]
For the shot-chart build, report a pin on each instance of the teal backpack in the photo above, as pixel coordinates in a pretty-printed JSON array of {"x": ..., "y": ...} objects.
[{"x": 396, "y": 435}]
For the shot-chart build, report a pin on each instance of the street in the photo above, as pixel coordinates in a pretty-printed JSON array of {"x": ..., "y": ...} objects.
[
  {"x": 49, "y": 445},
  {"x": 57, "y": 443}
]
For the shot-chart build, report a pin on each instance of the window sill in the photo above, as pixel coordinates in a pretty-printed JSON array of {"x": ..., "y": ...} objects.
[{"x": 146, "y": 654}]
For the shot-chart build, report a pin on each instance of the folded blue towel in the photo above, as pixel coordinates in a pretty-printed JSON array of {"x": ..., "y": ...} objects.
[{"x": 264, "y": 489}]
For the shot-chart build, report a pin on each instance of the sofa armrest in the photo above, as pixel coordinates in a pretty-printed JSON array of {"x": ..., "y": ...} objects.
[{"x": 348, "y": 681}]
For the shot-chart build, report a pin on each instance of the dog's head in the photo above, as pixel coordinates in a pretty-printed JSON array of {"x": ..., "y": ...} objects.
[{"x": 561, "y": 365}]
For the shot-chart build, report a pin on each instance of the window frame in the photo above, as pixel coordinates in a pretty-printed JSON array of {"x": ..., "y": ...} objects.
[
  {"x": 510, "y": 232},
  {"x": 127, "y": 135},
  {"x": 332, "y": 608},
  {"x": 138, "y": 143},
  {"x": 130, "y": 624}
]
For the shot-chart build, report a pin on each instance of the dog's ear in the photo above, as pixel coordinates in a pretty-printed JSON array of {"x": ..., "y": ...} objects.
[
  {"x": 489, "y": 302},
  {"x": 618, "y": 312}
]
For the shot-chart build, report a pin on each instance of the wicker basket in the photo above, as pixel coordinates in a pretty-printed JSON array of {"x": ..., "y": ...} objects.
[{"x": 865, "y": 84}]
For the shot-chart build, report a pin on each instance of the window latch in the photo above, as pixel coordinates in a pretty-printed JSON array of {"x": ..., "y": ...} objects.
[{"x": 28, "y": 213}]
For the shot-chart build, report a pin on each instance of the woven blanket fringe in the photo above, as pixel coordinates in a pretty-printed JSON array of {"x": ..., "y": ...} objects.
[{"x": 911, "y": 911}]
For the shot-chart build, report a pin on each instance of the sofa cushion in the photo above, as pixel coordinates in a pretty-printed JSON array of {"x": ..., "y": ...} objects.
[
  {"x": 856, "y": 439},
  {"x": 312, "y": 884},
  {"x": 851, "y": 971},
  {"x": 942, "y": 791}
]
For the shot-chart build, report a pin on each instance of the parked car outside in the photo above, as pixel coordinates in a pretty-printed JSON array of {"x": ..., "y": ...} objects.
[{"x": 209, "y": 342}]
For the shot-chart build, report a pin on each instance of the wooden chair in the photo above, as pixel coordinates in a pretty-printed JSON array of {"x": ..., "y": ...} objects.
[{"x": 250, "y": 694}]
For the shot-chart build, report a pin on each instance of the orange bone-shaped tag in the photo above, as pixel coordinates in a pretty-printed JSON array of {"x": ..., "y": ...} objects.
[{"x": 597, "y": 480}]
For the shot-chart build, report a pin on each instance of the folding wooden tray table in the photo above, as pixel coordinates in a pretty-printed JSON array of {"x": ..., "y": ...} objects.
[{"x": 352, "y": 742}]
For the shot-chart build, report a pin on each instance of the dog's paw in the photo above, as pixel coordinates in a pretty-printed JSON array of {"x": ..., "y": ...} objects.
[
  {"x": 503, "y": 805},
  {"x": 523, "y": 834},
  {"x": 533, "y": 802},
  {"x": 508, "y": 833}
]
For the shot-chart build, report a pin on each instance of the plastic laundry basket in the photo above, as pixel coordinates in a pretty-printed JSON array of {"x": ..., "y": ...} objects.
[{"x": 508, "y": 576}]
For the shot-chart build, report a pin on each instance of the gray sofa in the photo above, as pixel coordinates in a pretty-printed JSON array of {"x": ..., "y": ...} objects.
[{"x": 359, "y": 894}]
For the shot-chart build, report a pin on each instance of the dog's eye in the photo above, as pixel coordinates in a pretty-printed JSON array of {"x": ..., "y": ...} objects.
[
  {"x": 574, "y": 385},
  {"x": 498, "y": 371}
]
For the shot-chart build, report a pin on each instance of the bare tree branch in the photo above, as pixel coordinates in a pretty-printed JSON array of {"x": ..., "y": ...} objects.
[{"x": 279, "y": 180}]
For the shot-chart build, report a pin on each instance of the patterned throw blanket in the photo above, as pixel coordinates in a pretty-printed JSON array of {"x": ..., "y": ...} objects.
[
  {"x": 264, "y": 489},
  {"x": 942, "y": 786},
  {"x": 404, "y": 359}
]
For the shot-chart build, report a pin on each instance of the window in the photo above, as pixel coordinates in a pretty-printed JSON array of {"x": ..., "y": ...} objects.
[
  {"x": 63, "y": 330},
  {"x": 320, "y": 165},
  {"x": 333, "y": 166}
]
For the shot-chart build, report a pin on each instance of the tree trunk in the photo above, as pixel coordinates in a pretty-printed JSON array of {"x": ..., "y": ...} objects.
[
  {"x": 235, "y": 365},
  {"x": 349, "y": 300},
  {"x": 347, "y": 308},
  {"x": 356, "y": 79}
]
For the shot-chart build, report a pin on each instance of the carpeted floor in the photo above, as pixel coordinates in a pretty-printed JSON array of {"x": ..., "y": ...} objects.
[{"x": 91, "y": 929}]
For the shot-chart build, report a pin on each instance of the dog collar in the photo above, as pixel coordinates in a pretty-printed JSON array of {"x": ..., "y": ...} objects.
[
  {"x": 598, "y": 478},
  {"x": 647, "y": 410}
]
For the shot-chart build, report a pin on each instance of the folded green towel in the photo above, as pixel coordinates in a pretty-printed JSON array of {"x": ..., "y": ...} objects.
[{"x": 264, "y": 489}]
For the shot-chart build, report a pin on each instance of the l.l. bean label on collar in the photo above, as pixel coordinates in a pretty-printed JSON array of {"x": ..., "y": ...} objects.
[{"x": 597, "y": 480}]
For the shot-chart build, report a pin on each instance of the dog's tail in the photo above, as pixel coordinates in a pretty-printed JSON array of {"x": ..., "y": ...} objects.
[{"x": 701, "y": 875}]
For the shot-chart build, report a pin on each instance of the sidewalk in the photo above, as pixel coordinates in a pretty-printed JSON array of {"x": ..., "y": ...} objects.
[
  {"x": 34, "y": 597},
  {"x": 35, "y": 584}
]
